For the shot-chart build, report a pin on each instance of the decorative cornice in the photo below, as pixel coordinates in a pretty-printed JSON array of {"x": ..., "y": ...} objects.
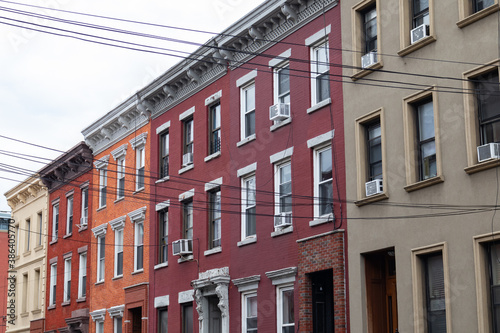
[
  {"x": 102, "y": 162},
  {"x": 118, "y": 223},
  {"x": 98, "y": 315},
  {"x": 138, "y": 215},
  {"x": 120, "y": 151},
  {"x": 25, "y": 192},
  {"x": 280, "y": 276},
  {"x": 100, "y": 230},
  {"x": 116, "y": 311},
  {"x": 247, "y": 283},
  {"x": 139, "y": 140},
  {"x": 162, "y": 205}
]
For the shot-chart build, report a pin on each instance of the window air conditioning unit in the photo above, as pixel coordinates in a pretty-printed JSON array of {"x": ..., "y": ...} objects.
[
  {"x": 279, "y": 111},
  {"x": 373, "y": 187},
  {"x": 488, "y": 151},
  {"x": 368, "y": 59},
  {"x": 419, "y": 32},
  {"x": 83, "y": 221},
  {"x": 182, "y": 247},
  {"x": 283, "y": 220},
  {"x": 187, "y": 158}
]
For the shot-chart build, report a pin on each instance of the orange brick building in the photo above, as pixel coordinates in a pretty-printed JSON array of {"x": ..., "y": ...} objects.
[{"x": 120, "y": 246}]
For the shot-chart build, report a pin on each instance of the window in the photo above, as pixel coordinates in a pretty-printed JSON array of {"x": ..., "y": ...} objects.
[
  {"x": 164, "y": 144},
  {"x": 365, "y": 38},
  {"x": 163, "y": 234},
  {"x": 479, "y": 5},
  {"x": 118, "y": 252},
  {"x": 323, "y": 186},
  {"x": 99, "y": 326},
  {"x": 187, "y": 318},
  {"x": 67, "y": 280},
  {"x": 487, "y": 93},
  {"x": 162, "y": 320},
  {"x": 103, "y": 181},
  {"x": 430, "y": 276},
  {"x": 248, "y": 204},
  {"x": 139, "y": 165},
  {"x": 215, "y": 219},
  {"x": 36, "y": 290},
  {"x": 370, "y": 30},
  {"x": 247, "y": 110},
  {"x": 85, "y": 206},
  {"x": 249, "y": 313},
  {"x": 187, "y": 220},
  {"x": 117, "y": 325},
  {"x": 320, "y": 73},
  {"x": 120, "y": 178},
  {"x": 285, "y": 310},
  {"x": 101, "y": 242},
  {"x": 416, "y": 14},
  {"x": 422, "y": 144},
  {"x": 53, "y": 284},
  {"x": 24, "y": 304},
  {"x": 28, "y": 234},
  {"x": 420, "y": 12},
  {"x": 40, "y": 228},
  {"x": 82, "y": 276},
  {"x": 69, "y": 215},
  {"x": 471, "y": 11},
  {"x": 374, "y": 147},
  {"x": 55, "y": 221},
  {"x": 17, "y": 240},
  {"x": 188, "y": 142},
  {"x": 214, "y": 130},
  {"x": 283, "y": 189},
  {"x": 139, "y": 246},
  {"x": 282, "y": 83}
]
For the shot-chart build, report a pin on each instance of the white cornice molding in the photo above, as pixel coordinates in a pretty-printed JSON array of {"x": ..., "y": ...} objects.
[
  {"x": 247, "y": 283},
  {"x": 102, "y": 162},
  {"x": 120, "y": 151},
  {"x": 118, "y": 223},
  {"x": 116, "y": 311},
  {"x": 138, "y": 215},
  {"x": 281, "y": 276},
  {"x": 139, "y": 140},
  {"x": 100, "y": 230},
  {"x": 98, "y": 315}
]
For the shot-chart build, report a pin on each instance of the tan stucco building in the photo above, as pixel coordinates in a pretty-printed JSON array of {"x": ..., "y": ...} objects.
[
  {"x": 29, "y": 201},
  {"x": 420, "y": 95}
]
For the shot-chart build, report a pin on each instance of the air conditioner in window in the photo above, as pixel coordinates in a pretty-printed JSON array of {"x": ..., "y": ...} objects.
[
  {"x": 368, "y": 59},
  {"x": 419, "y": 32},
  {"x": 83, "y": 221},
  {"x": 182, "y": 247},
  {"x": 283, "y": 220},
  {"x": 187, "y": 159},
  {"x": 279, "y": 111},
  {"x": 488, "y": 151},
  {"x": 373, "y": 187}
]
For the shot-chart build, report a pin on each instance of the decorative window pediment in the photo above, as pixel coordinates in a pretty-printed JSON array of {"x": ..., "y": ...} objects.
[
  {"x": 100, "y": 230},
  {"x": 139, "y": 140},
  {"x": 118, "y": 223},
  {"x": 102, "y": 162},
  {"x": 120, "y": 152},
  {"x": 138, "y": 215}
]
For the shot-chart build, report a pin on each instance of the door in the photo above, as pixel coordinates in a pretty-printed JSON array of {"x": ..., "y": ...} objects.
[
  {"x": 136, "y": 314},
  {"x": 214, "y": 315},
  {"x": 322, "y": 301}
]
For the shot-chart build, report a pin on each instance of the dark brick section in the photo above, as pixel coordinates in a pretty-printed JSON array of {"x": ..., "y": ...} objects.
[{"x": 318, "y": 254}]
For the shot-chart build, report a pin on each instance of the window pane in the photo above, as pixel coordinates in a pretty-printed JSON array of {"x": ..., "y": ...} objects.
[
  {"x": 163, "y": 319},
  {"x": 326, "y": 198},
  {"x": 283, "y": 81},
  {"x": 325, "y": 158},
  {"x": 250, "y": 123},
  {"x": 420, "y": 5},
  {"x": 322, "y": 87},
  {"x": 288, "y": 307},
  {"x": 250, "y": 222},
  {"x": 436, "y": 308},
  {"x": 321, "y": 53},
  {"x": 250, "y": 98},
  {"x": 371, "y": 30},
  {"x": 426, "y": 121}
]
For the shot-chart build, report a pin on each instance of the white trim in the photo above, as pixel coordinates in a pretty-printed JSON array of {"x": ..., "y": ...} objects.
[
  {"x": 98, "y": 315},
  {"x": 186, "y": 195},
  {"x": 282, "y": 276},
  {"x": 319, "y": 105},
  {"x": 162, "y": 301},
  {"x": 138, "y": 215},
  {"x": 118, "y": 223},
  {"x": 139, "y": 140},
  {"x": 116, "y": 311},
  {"x": 213, "y": 184},
  {"x": 283, "y": 57},
  {"x": 100, "y": 230},
  {"x": 246, "y": 140},
  {"x": 246, "y": 78},
  {"x": 120, "y": 151},
  {"x": 280, "y": 156},
  {"x": 213, "y": 98},
  {"x": 247, "y": 170},
  {"x": 249, "y": 283},
  {"x": 162, "y": 205},
  {"x": 320, "y": 139},
  {"x": 163, "y": 127},
  {"x": 185, "y": 296},
  {"x": 318, "y": 36},
  {"x": 186, "y": 113},
  {"x": 82, "y": 268},
  {"x": 102, "y": 162}
]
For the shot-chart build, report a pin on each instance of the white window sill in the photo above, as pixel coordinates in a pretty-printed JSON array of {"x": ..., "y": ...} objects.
[
  {"x": 164, "y": 179},
  {"x": 68, "y": 235},
  {"x": 53, "y": 241},
  {"x": 138, "y": 190},
  {"x": 81, "y": 299},
  {"x": 282, "y": 231},
  {"x": 186, "y": 168},
  {"x": 211, "y": 157},
  {"x": 319, "y": 105},
  {"x": 185, "y": 258},
  {"x": 278, "y": 124},
  {"x": 117, "y": 277},
  {"x": 50, "y": 307},
  {"x": 25, "y": 314},
  {"x": 213, "y": 251},
  {"x": 138, "y": 271},
  {"x": 321, "y": 220},
  {"x": 249, "y": 240},
  {"x": 38, "y": 248},
  {"x": 101, "y": 208},
  {"x": 65, "y": 303},
  {"x": 99, "y": 282},
  {"x": 163, "y": 264},
  {"x": 246, "y": 140},
  {"x": 119, "y": 199}
]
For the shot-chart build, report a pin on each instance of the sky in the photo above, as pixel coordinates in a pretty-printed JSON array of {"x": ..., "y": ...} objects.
[{"x": 52, "y": 87}]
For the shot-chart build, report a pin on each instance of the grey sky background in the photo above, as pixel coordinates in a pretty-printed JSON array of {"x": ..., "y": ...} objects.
[{"x": 52, "y": 87}]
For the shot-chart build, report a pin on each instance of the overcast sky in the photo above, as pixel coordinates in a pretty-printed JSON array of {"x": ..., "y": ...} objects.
[{"x": 52, "y": 87}]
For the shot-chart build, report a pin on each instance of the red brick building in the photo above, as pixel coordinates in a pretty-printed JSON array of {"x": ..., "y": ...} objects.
[
  {"x": 70, "y": 185},
  {"x": 247, "y": 220},
  {"x": 119, "y": 268}
]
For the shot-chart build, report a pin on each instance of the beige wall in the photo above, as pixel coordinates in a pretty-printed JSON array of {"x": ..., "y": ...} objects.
[
  {"x": 475, "y": 43},
  {"x": 28, "y": 200}
]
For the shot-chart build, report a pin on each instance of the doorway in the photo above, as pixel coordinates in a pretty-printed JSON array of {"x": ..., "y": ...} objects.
[
  {"x": 322, "y": 301},
  {"x": 136, "y": 316},
  {"x": 214, "y": 315}
]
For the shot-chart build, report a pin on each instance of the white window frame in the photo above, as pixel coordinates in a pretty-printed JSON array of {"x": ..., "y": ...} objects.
[
  {"x": 67, "y": 279},
  {"x": 321, "y": 46},
  {"x": 82, "y": 273},
  {"x": 55, "y": 221},
  {"x": 17, "y": 240},
  {"x": 53, "y": 284},
  {"x": 115, "y": 324},
  {"x": 140, "y": 164},
  {"x": 120, "y": 174},
  {"x": 99, "y": 326},
  {"x": 317, "y": 152},
  {"x": 85, "y": 206},
  {"x": 244, "y": 187},
  {"x": 277, "y": 183},
  {"x": 244, "y": 111},
  {"x": 28, "y": 234},
  {"x": 103, "y": 182},
  {"x": 118, "y": 250},
  {"x": 69, "y": 215},
  {"x": 138, "y": 242},
  {"x": 163, "y": 235},
  {"x": 40, "y": 228},
  {"x": 101, "y": 240},
  {"x": 276, "y": 82},
  {"x": 244, "y": 310},
  {"x": 279, "y": 305}
]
